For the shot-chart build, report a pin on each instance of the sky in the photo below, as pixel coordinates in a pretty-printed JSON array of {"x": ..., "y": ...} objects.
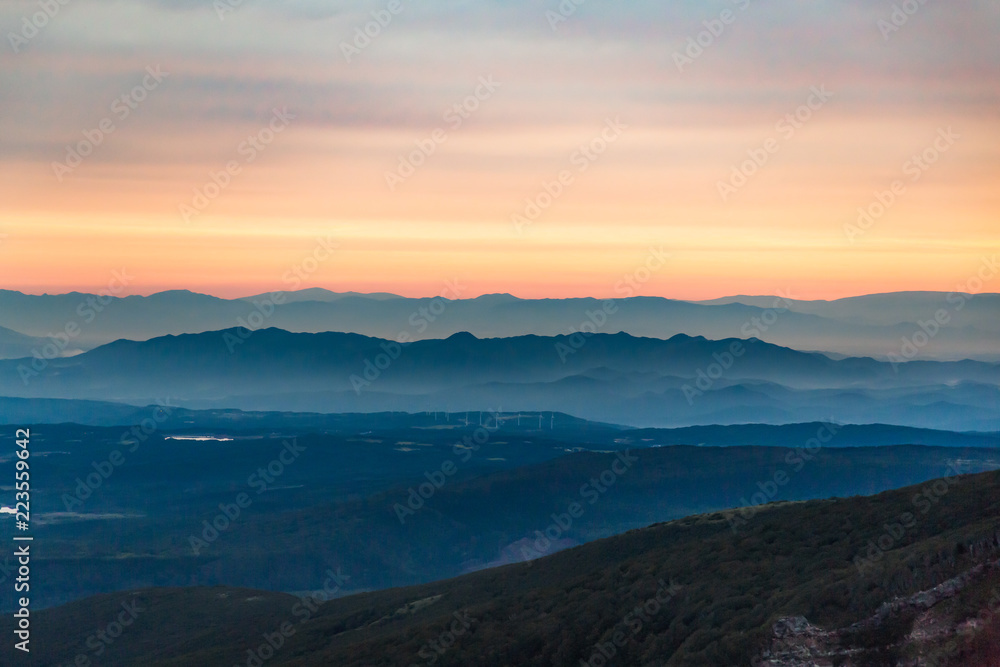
[{"x": 538, "y": 148}]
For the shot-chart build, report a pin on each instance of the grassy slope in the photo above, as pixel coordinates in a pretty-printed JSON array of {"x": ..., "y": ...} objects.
[{"x": 790, "y": 559}]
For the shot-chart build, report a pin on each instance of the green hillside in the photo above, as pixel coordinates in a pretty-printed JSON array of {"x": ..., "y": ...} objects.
[{"x": 687, "y": 592}]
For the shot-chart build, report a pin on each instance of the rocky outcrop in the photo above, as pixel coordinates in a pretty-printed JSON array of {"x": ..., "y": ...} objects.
[{"x": 795, "y": 642}]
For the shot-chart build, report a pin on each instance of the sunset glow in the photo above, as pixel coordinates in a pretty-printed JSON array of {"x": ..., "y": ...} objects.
[{"x": 683, "y": 130}]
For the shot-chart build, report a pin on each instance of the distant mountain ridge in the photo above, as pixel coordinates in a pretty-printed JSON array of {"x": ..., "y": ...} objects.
[
  {"x": 14, "y": 344},
  {"x": 324, "y": 295},
  {"x": 615, "y": 378},
  {"x": 885, "y": 308},
  {"x": 873, "y": 325},
  {"x": 552, "y": 425}
]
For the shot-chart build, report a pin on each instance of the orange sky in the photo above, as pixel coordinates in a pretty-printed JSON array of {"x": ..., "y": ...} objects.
[{"x": 656, "y": 184}]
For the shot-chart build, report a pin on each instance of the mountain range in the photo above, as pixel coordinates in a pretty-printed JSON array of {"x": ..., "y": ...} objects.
[
  {"x": 613, "y": 378},
  {"x": 850, "y": 581},
  {"x": 557, "y": 426},
  {"x": 962, "y": 325}
]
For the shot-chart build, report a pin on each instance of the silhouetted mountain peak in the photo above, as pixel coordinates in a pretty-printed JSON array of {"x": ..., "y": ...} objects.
[{"x": 497, "y": 297}]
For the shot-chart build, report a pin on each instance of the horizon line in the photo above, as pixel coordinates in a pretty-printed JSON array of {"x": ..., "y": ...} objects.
[{"x": 382, "y": 295}]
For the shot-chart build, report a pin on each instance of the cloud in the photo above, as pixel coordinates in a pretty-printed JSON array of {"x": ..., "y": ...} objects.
[{"x": 608, "y": 58}]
